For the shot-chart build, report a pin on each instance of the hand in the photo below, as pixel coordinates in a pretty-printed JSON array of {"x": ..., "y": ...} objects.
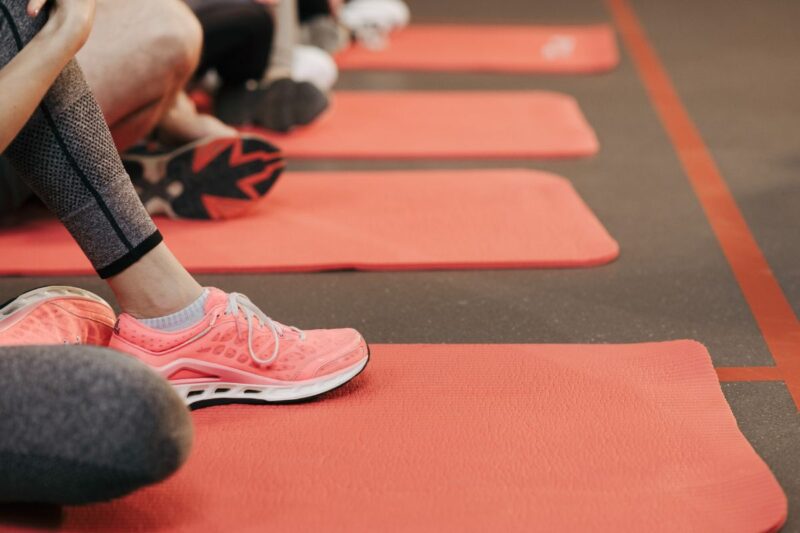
[{"x": 70, "y": 20}]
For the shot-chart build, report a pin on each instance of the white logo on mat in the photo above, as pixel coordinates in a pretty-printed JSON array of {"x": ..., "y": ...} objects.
[{"x": 558, "y": 47}]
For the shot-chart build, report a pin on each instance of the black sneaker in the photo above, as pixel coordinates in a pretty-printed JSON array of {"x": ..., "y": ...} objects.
[
  {"x": 280, "y": 107},
  {"x": 211, "y": 179}
]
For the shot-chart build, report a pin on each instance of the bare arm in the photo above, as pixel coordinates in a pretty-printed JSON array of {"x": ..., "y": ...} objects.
[{"x": 26, "y": 79}]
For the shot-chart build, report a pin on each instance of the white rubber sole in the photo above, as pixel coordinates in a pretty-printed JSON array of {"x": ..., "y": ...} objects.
[
  {"x": 18, "y": 307},
  {"x": 221, "y": 392}
]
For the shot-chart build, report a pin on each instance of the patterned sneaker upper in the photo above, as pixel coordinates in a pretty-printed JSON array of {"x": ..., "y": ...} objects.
[
  {"x": 56, "y": 315},
  {"x": 237, "y": 342}
]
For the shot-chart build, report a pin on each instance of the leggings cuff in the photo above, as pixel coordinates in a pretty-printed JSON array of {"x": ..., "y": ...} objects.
[{"x": 121, "y": 264}]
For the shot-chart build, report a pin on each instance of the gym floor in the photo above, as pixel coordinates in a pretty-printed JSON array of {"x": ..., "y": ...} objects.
[{"x": 734, "y": 67}]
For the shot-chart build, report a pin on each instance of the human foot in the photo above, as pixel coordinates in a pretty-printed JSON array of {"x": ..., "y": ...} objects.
[
  {"x": 211, "y": 179},
  {"x": 281, "y": 106},
  {"x": 56, "y": 315},
  {"x": 183, "y": 124},
  {"x": 236, "y": 354}
]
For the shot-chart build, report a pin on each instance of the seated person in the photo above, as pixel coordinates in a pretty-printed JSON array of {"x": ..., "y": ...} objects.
[
  {"x": 263, "y": 77},
  {"x": 272, "y": 57},
  {"x": 211, "y": 345},
  {"x": 137, "y": 61}
]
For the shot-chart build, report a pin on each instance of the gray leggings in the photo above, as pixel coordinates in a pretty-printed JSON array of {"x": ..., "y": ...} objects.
[
  {"x": 66, "y": 155},
  {"x": 13, "y": 191}
]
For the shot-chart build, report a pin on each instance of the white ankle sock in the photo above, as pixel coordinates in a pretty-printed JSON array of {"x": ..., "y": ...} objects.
[{"x": 188, "y": 316}]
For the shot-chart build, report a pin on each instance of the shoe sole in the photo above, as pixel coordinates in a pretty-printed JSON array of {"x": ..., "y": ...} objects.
[
  {"x": 211, "y": 179},
  {"x": 200, "y": 395},
  {"x": 18, "y": 308}
]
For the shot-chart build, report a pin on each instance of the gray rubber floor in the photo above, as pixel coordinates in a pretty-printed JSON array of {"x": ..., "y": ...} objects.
[{"x": 735, "y": 66}]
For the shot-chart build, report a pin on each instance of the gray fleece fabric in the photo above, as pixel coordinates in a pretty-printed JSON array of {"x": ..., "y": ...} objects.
[
  {"x": 66, "y": 155},
  {"x": 81, "y": 424}
]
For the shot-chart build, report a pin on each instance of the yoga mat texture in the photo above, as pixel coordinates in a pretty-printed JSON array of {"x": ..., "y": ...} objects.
[
  {"x": 443, "y": 125},
  {"x": 405, "y": 220},
  {"x": 521, "y": 49},
  {"x": 475, "y": 438}
]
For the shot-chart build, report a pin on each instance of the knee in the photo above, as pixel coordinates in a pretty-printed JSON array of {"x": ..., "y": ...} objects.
[{"x": 181, "y": 41}]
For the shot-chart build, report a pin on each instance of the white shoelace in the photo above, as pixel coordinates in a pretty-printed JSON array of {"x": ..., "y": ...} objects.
[{"x": 239, "y": 302}]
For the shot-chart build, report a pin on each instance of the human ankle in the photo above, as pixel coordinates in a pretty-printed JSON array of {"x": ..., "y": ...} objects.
[
  {"x": 184, "y": 124},
  {"x": 181, "y": 319},
  {"x": 155, "y": 286},
  {"x": 154, "y": 304}
]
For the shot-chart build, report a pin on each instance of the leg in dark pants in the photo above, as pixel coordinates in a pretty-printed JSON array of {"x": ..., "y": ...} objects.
[{"x": 237, "y": 41}]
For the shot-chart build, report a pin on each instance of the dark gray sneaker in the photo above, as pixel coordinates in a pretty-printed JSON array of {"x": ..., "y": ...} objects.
[{"x": 281, "y": 106}]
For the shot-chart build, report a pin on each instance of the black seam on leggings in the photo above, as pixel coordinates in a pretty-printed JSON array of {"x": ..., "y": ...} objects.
[
  {"x": 131, "y": 257},
  {"x": 71, "y": 160},
  {"x": 98, "y": 198}
]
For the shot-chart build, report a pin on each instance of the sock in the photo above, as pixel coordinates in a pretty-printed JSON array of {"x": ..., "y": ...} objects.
[{"x": 188, "y": 316}]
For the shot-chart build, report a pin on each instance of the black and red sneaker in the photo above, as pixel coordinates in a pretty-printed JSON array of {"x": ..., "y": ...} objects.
[{"x": 211, "y": 179}]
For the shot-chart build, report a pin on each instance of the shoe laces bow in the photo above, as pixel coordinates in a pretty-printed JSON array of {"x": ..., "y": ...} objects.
[{"x": 252, "y": 314}]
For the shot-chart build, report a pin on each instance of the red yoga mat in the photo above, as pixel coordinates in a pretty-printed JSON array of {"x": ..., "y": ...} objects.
[
  {"x": 521, "y": 49},
  {"x": 443, "y": 124},
  {"x": 409, "y": 220},
  {"x": 475, "y": 438}
]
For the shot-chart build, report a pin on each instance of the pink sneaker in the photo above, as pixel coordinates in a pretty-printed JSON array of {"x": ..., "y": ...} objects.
[
  {"x": 56, "y": 315},
  {"x": 238, "y": 354}
]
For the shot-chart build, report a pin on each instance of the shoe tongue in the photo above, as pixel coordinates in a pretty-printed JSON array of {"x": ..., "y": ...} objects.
[{"x": 215, "y": 298}]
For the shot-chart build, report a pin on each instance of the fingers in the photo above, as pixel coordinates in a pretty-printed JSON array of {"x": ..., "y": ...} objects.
[{"x": 35, "y": 6}]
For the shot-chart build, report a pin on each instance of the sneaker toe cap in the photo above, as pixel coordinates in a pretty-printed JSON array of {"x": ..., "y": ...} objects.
[{"x": 339, "y": 350}]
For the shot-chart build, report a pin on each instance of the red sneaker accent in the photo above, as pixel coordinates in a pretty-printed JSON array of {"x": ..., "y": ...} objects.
[
  {"x": 187, "y": 374},
  {"x": 206, "y": 153},
  {"x": 220, "y": 208}
]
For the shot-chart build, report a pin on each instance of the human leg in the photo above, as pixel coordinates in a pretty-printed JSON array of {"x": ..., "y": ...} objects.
[
  {"x": 286, "y": 38},
  {"x": 66, "y": 154},
  {"x": 309, "y": 9},
  {"x": 238, "y": 37},
  {"x": 320, "y": 26},
  {"x": 13, "y": 191},
  {"x": 137, "y": 62},
  {"x": 82, "y": 183},
  {"x": 138, "y": 59}
]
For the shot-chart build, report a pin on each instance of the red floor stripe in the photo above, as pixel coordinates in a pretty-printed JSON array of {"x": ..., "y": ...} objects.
[
  {"x": 770, "y": 308},
  {"x": 749, "y": 373}
]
